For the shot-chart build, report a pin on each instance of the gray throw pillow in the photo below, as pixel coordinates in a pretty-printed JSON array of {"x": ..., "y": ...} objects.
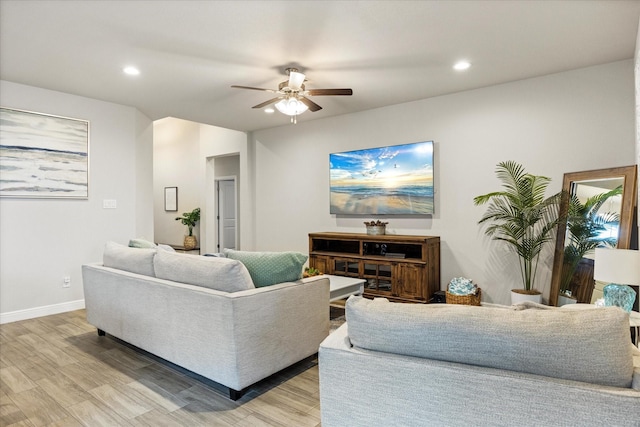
[
  {"x": 221, "y": 274},
  {"x": 134, "y": 260}
]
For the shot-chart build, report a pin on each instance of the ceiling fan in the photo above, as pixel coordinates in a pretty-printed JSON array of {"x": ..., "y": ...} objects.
[{"x": 292, "y": 98}]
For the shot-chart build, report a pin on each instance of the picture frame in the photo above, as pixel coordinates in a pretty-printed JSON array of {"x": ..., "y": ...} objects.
[
  {"x": 43, "y": 155},
  {"x": 171, "y": 199}
]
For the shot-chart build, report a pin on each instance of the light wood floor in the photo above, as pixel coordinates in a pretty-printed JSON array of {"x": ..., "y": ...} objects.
[{"x": 56, "y": 371}]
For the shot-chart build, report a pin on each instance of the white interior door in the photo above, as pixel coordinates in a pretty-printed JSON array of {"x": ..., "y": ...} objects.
[{"x": 227, "y": 233}]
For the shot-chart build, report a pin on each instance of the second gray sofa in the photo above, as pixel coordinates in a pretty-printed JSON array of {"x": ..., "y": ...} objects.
[{"x": 433, "y": 365}]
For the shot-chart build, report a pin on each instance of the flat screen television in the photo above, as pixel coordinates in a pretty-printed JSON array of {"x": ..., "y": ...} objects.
[{"x": 392, "y": 180}]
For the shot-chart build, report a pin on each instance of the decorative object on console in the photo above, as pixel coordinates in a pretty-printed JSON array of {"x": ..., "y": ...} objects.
[
  {"x": 393, "y": 180},
  {"x": 619, "y": 267},
  {"x": 190, "y": 219},
  {"x": 376, "y": 228},
  {"x": 521, "y": 216}
]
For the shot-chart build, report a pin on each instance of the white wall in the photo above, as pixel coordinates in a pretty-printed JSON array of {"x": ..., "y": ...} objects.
[
  {"x": 567, "y": 122},
  {"x": 185, "y": 157},
  {"x": 176, "y": 152},
  {"x": 43, "y": 240}
]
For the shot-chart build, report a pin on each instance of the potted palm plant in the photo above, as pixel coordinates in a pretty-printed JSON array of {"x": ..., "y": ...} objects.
[
  {"x": 190, "y": 219},
  {"x": 521, "y": 216},
  {"x": 585, "y": 232}
]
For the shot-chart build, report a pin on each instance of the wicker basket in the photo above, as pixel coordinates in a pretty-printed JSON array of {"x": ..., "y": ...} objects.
[{"x": 464, "y": 299}]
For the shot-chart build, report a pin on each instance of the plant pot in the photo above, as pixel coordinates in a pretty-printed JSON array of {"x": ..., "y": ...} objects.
[
  {"x": 564, "y": 300},
  {"x": 376, "y": 230},
  {"x": 520, "y": 295},
  {"x": 190, "y": 242}
]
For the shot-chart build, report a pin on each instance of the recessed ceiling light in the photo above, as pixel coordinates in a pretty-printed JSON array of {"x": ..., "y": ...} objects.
[
  {"x": 462, "y": 65},
  {"x": 131, "y": 71},
  {"x": 269, "y": 110}
]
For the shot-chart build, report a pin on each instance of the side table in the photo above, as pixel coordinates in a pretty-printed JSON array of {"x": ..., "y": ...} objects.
[{"x": 634, "y": 321}]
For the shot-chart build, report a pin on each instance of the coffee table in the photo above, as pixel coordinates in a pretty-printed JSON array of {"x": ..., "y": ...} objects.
[{"x": 341, "y": 287}]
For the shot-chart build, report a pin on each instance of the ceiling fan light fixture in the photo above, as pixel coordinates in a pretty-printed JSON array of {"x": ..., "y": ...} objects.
[
  {"x": 291, "y": 107},
  {"x": 296, "y": 80}
]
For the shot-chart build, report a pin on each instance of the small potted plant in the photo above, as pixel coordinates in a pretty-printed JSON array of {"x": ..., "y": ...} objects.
[
  {"x": 190, "y": 219},
  {"x": 310, "y": 272}
]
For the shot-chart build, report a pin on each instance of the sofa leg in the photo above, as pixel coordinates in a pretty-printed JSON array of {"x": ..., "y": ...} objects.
[
  {"x": 101, "y": 333},
  {"x": 235, "y": 394}
]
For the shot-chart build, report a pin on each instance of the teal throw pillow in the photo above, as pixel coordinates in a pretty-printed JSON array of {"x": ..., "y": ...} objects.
[
  {"x": 269, "y": 268},
  {"x": 141, "y": 243}
]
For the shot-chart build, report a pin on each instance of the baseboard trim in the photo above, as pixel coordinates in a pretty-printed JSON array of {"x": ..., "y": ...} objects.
[{"x": 47, "y": 310}]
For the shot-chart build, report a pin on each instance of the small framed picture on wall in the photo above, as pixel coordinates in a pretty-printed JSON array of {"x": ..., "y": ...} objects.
[{"x": 171, "y": 199}]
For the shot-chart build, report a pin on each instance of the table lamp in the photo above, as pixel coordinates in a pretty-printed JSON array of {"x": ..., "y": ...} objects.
[{"x": 620, "y": 268}]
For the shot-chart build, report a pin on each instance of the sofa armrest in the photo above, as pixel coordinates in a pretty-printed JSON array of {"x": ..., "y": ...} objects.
[{"x": 279, "y": 325}]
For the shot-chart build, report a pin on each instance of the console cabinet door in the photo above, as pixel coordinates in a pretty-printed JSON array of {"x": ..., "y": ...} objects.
[
  {"x": 322, "y": 263},
  {"x": 345, "y": 267},
  {"x": 409, "y": 281}
]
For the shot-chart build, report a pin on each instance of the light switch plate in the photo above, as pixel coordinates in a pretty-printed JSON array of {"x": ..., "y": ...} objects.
[{"x": 109, "y": 204}]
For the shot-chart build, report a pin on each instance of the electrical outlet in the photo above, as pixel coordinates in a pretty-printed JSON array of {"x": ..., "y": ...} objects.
[{"x": 66, "y": 283}]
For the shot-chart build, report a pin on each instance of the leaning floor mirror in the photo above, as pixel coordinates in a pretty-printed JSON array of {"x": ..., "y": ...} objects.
[{"x": 599, "y": 210}]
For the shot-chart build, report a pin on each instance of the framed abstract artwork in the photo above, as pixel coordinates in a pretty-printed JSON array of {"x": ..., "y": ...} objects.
[{"x": 43, "y": 156}]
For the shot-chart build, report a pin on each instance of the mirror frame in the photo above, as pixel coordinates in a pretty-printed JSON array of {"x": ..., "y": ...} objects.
[{"x": 629, "y": 196}]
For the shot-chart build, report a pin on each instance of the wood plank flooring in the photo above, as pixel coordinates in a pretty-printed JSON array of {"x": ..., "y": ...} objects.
[{"x": 57, "y": 371}]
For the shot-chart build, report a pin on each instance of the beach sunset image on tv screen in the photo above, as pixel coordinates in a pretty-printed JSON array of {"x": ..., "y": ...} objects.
[{"x": 392, "y": 180}]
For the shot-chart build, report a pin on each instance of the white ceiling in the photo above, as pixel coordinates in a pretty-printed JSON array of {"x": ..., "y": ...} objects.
[{"x": 388, "y": 52}]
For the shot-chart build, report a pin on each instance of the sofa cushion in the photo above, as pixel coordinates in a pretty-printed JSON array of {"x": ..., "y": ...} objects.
[
  {"x": 269, "y": 268},
  {"x": 134, "y": 260},
  {"x": 221, "y": 274},
  {"x": 582, "y": 345}
]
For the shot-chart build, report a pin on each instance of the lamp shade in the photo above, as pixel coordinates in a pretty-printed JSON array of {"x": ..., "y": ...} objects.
[
  {"x": 291, "y": 106},
  {"x": 621, "y": 266}
]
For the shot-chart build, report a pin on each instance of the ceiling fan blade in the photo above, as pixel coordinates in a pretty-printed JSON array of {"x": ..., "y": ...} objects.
[
  {"x": 313, "y": 107},
  {"x": 322, "y": 92},
  {"x": 254, "y": 88},
  {"x": 295, "y": 80},
  {"x": 265, "y": 103}
]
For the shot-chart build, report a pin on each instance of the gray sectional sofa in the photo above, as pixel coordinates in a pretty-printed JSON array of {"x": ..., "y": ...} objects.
[
  {"x": 204, "y": 313},
  {"x": 397, "y": 364}
]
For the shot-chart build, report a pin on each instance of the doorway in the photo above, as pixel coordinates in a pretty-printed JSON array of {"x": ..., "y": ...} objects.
[{"x": 226, "y": 214}]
